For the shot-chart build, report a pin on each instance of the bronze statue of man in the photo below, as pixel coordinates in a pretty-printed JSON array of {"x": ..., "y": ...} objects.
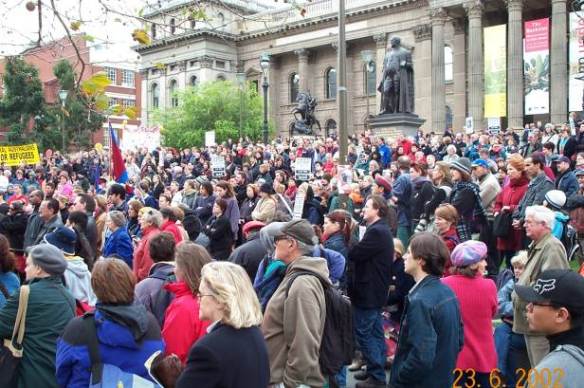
[{"x": 397, "y": 84}]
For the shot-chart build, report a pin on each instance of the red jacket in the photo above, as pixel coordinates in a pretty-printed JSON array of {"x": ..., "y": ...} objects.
[
  {"x": 142, "y": 260},
  {"x": 451, "y": 239},
  {"x": 478, "y": 306},
  {"x": 510, "y": 196},
  {"x": 171, "y": 227},
  {"x": 182, "y": 326}
]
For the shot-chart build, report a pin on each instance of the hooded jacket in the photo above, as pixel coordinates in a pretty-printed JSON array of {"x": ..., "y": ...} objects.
[
  {"x": 146, "y": 290},
  {"x": 182, "y": 326},
  {"x": 127, "y": 336},
  {"x": 249, "y": 254},
  {"x": 567, "y": 355},
  {"x": 78, "y": 280},
  {"x": 119, "y": 243},
  {"x": 142, "y": 261},
  {"x": 293, "y": 349}
]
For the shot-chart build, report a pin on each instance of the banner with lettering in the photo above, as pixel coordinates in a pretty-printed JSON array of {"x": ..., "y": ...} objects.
[
  {"x": 15, "y": 155},
  {"x": 495, "y": 38},
  {"x": 576, "y": 68},
  {"x": 536, "y": 66}
]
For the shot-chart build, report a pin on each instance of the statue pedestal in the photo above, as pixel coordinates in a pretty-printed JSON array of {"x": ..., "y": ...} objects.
[{"x": 391, "y": 124}]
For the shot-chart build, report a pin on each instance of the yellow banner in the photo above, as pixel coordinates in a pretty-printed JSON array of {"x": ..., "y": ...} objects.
[
  {"x": 14, "y": 155},
  {"x": 495, "y": 47}
]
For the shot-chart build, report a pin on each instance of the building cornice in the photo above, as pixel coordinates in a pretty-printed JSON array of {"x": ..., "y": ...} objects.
[{"x": 202, "y": 33}]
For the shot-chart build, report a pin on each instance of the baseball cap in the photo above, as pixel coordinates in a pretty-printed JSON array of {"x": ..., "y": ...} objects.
[
  {"x": 480, "y": 163},
  {"x": 300, "y": 230},
  {"x": 560, "y": 287},
  {"x": 564, "y": 159}
]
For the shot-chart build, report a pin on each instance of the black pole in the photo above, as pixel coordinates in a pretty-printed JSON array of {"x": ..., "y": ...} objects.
[{"x": 265, "y": 86}]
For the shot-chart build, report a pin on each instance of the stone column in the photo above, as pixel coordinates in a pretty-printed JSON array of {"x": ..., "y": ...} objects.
[
  {"x": 302, "y": 68},
  {"x": 559, "y": 63},
  {"x": 438, "y": 16},
  {"x": 459, "y": 73},
  {"x": 474, "y": 11},
  {"x": 380, "y": 48},
  {"x": 515, "y": 64},
  {"x": 422, "y": 58}
]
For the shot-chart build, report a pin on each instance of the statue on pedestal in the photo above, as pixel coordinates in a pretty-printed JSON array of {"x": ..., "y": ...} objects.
[
  {"x": 304, "y": 114},
  {"x": 397, "y": 84}
]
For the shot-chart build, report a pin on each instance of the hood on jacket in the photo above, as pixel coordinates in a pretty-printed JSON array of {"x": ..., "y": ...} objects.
[
  {"x": 122, "y": 325},
  {"x": 312, "y": 264},
  {"x": 267, "y": 234},
  {"x": 77, "y": 266},
  {"x": 162, "y": 268}
]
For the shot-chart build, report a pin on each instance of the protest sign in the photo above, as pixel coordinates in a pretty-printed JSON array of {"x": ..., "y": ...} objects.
[
  {"x": 303, "y": 169},
  {"x": 15, "y": 155},
  {"x": 218, "y": 166}
]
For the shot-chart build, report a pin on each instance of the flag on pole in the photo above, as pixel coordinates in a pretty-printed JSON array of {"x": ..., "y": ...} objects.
[{"x": 119, "y": 172}]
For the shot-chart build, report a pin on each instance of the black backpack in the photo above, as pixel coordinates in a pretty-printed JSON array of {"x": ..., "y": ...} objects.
[{"x": 337, "y": 345}]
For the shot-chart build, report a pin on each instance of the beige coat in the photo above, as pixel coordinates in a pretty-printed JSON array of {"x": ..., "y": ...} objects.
[
  {"x": 293, "y": 326},
  {"x": 548, "y": 253},
  {"x": 264, "y": 210}
]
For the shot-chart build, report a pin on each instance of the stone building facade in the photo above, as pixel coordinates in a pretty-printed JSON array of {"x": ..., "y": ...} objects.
[{"x": 445, "y": 36}]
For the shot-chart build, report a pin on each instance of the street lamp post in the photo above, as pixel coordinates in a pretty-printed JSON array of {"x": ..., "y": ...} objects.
[
  {"x": 265, "y": 65},
  {"x": 63, "y": 97},
  {"x": 367, "y": 56},
  {"x": 241, "y": 82},
  {"x": 342, "y": 85}
]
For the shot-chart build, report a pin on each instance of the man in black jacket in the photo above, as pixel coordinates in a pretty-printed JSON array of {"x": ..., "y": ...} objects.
[
  {"x": 86, "y": 204},
  {"x": 250, "y": 254},
  {"x": 369, "y": 275}
]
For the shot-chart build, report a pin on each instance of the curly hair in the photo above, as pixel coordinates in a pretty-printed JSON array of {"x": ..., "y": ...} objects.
[{"x": 7, "y": 260}]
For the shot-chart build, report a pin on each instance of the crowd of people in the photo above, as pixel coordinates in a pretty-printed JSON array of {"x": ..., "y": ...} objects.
[{"x": 439, "y": 259}]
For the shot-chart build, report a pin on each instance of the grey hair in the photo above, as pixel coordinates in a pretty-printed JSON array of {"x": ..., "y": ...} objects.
[
  {"x": 541, "y": 214},
  {"x": 305, "y": 249},
  {"x": 117, "y": 217},
  {"x": 151, "y": 216}
]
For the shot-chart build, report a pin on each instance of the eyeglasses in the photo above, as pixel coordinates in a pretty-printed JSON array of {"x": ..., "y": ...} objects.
[{"x": 281, "y": 238}]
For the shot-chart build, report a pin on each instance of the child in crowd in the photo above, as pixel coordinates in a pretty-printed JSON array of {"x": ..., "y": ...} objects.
[{"x": 507, "y": 343}]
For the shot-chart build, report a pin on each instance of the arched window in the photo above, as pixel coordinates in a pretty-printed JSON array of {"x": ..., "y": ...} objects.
[
  {"x": 294, "y": 82},
  {"x": 331, "y": 83},
  {"x": 172, "y": 91},
  {"x": 448, "y": 117},
  {"x": 172, "y": 26},
  {"x": 193, "y": 81},
  {"x": 448, "y": 64},
  {"x": 153, "y": 31},
  {"x": 221, "y": 21},
  {"x": 330, "y": 128},
  {"x": 155, "y": 95},
  {"x": 369, "y": 80}
]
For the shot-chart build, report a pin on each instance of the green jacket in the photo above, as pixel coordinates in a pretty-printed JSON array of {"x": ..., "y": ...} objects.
[
  {"x": 50, "y": 307},
  {"x": 548, "y": 253}
]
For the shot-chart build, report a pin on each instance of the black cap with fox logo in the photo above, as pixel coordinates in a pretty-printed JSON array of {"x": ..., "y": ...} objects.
[{"x": 558, "y": 287}]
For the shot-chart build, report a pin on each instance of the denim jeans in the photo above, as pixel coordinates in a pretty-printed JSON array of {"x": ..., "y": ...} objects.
[
  {"x": 508, "y": 345},
  {"x": 368, "y": 325}
]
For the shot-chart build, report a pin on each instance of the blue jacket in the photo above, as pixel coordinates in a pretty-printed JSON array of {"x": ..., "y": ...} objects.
[
  {"x": 119, "y": 243},
  {"x": 337, "y": 243},
  {"x": 403, "y": 190},
  {"x": 11, "y": 282},
  {"x": 335, "y": 262},
  {"x": 568, "y": 183},
  {"x": 385, "y": 153},
  {"x": 126, "y": 345},
  {"x": 430, "y": 338}
]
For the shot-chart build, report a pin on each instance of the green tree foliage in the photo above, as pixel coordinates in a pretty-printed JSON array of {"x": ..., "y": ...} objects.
[
  {"x": 76, "y": 118},
  {"x": 22, "y": 101},
  {"x": 211, "y": 106}
]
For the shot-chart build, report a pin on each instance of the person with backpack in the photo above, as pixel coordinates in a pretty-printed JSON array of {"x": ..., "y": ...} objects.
[
  {"x": 555, "y": 308},
  {"x": 50, "y": 307},
  {"x": 150, "y": 292},
  {"x": 119, "y": 335},
  {"x": 368, "y": 278},
  {"x": 431, "y": 333},
  {"x": 294, "y": 349}
]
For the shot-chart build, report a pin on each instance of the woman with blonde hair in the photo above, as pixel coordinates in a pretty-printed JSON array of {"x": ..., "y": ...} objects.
[{"x": 233, "y": 354}]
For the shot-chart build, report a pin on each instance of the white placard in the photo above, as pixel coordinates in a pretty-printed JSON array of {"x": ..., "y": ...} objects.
[
  {"x": 209, "y": 138},
  {"x": 494, "y": 125},
  {"x": 469, "y": 125},
  {"x": 303, "y": 169},
  {"x": 218, "y": 166},
  {"x": 298, "y": 205}
]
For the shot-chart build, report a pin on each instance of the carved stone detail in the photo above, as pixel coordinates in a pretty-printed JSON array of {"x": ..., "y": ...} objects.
[
  {"x": 422, "y": 32},
  {"x": 474, "y": 9}
]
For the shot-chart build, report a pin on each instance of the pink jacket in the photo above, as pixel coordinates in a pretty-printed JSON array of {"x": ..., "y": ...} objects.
[{"x": 478, "y": 306}]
